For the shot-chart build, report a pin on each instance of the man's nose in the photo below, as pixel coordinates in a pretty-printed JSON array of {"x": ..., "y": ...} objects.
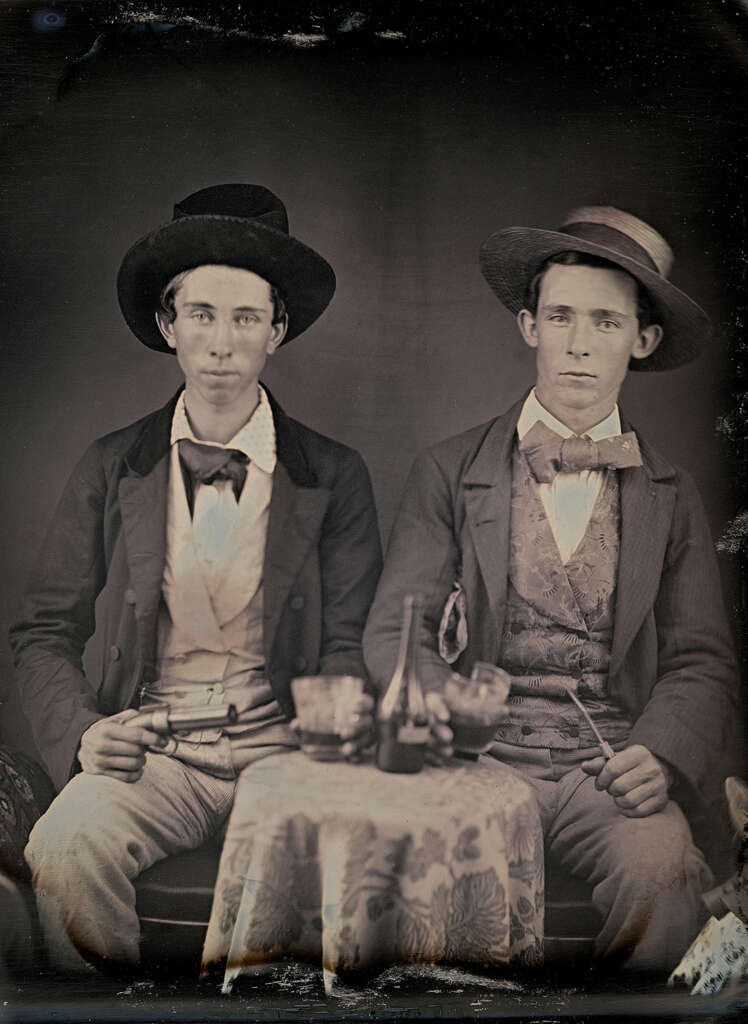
[
  {"x": 578, "y": 339},
  {"x": 221, "y": 340}
]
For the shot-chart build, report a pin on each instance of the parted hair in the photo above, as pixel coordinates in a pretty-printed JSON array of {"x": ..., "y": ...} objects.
[
  {"x": 167, "y": 307},
  {"x": 644, "y": 307}
]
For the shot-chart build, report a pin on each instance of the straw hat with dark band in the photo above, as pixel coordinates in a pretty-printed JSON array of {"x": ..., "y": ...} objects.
[
  {"x": 235, "y": 225},
  {"x": 509, "y": 259}
]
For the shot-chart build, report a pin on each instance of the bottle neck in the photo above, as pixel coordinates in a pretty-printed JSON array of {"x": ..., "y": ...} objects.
[
  {"x": 404, "y": 688},
  {"x": 408, "y": 636}
]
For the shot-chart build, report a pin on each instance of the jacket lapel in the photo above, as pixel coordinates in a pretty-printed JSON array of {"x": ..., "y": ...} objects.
[
  {"x": 297, "y": 507},
  {"x": 294, "y": 525},
  {"x": 647, "y": 502},
  {"x": 488, "y": 501},
  {"x": 142, "y": 499}
]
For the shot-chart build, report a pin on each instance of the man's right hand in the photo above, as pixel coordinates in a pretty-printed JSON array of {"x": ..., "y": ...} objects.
[
  {"x": 440, "y": 749},
  {"x": 112, "y": 747}
]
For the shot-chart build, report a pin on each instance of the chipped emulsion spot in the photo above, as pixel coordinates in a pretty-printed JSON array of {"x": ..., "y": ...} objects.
[
  {"x": 47, "y": 20},
  {"x": 734, "y": 539},
  {"x": 304, "y": 40}
]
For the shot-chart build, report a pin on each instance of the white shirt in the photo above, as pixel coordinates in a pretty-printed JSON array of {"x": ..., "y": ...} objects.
[
  {"x": 215, "y": 509},
  {"x": 570, "y": 498}
]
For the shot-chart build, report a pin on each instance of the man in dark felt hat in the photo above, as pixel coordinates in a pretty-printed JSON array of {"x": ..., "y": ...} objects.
[
  {"x": 555, "y": 542},
  {"x": 233, "y": 547}
]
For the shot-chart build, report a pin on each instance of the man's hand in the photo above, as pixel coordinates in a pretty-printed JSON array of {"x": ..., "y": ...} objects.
[
  {"x": 440, "y": 748},
  {"x": 359, "y": 733},
  {"x": 112, "y": 747},
  {"x": 636, "y": 779}
]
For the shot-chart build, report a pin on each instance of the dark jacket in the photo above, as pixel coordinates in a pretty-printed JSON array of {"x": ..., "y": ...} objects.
[
  {"x": 108, "y": 536},
  {"x": 672, "y": 665}
]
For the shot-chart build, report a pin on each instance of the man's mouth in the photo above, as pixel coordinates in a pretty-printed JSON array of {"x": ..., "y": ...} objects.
[{"x": 577, "y": 373}]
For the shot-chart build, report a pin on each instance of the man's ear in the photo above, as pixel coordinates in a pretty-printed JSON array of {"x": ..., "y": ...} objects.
[
  {"x": 166, "y": 327},
  {"x": 528, "y": 327},
  {"x": 647, "y": 341},
  {"x": 277, "y": 335}
]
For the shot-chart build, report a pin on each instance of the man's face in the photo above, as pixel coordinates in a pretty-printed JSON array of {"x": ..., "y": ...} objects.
[
  {"x": 585, "y": 332},
  {"x": 223, "y": 333}
]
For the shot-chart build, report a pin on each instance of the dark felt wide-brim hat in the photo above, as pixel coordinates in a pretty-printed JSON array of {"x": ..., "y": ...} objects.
[
  {"x": 237, "y": 225},
  {"x": 509, "y": 259}
]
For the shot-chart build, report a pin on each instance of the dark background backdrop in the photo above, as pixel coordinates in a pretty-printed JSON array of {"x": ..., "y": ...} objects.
[{"x": 398, "y": 139}]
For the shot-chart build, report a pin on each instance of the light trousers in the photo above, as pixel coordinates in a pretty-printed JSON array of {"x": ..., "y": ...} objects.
[
  {"x": 647, "y": 876},
  {"x": 98, "y": 835}
]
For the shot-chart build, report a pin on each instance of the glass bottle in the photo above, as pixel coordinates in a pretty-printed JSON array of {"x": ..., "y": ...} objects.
[{"x": 402, "y": 716}]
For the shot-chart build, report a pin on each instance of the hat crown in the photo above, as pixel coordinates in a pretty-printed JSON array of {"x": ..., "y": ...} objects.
[
  {"x": 618, "y": 229},
  {"x": 251, "y": 202}
]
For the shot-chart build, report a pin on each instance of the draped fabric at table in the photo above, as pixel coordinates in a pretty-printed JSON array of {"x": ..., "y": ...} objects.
[{"x": 357, "y": 868}]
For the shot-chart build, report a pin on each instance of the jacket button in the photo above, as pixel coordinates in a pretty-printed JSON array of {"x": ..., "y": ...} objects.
[
  {"x": 129, "y": 596},
  {"x": 300, "y": 663},
  {"x": 526, "y": 730},
  {"x": 114, "y": 652},
  {"x": 297, "y": 603}
]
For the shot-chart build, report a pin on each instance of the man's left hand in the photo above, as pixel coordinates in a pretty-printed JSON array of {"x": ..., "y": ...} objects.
[{"x": 636, "y": 779}]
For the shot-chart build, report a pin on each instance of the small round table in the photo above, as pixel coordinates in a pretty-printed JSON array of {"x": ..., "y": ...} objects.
[{"x": 358, "y": 868}]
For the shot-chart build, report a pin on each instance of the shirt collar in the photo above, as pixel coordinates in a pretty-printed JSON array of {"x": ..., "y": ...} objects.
[
  {"x": 256, "y": 438},
  {"x": 532, "y": 411}
]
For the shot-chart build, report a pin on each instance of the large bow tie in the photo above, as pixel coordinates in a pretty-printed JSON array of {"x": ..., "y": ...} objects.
[
  {"x": 549, "y": 454},
  {"x": 205, "y": 464}
]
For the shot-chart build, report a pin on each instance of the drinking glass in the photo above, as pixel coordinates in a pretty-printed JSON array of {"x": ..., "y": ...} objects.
[
  {"x": 477, "y": 706},
  {"x": 327, "y": 711}
]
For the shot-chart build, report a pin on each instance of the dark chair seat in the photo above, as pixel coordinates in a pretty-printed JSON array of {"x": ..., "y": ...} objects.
[
  {"x": 174, "y": 899},
  {"x": 571, "y": 921},
  {"x": 179, "y": 890}
]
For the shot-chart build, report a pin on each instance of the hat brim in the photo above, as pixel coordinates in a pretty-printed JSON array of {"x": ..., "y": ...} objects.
[
  {"x": 510, "y": 258},
  {"x": 305, "y": 280}
]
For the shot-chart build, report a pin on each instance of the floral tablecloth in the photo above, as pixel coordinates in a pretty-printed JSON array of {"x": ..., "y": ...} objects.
[{"x": 357, "y": 868}]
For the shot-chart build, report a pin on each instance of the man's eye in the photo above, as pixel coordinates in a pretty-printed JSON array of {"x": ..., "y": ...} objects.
[
  {"x": 246, "y": 320},
  {"x": 609, "y": 325},
  {"x": 558, "y": 318},
  {"x": 200, "y": 315}
]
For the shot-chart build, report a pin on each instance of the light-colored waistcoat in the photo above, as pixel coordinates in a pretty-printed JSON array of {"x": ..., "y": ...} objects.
[{"x": 210, "y": 625}]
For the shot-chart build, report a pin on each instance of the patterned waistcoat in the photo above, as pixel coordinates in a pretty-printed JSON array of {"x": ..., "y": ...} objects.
[{"x": 559, "y": 622}]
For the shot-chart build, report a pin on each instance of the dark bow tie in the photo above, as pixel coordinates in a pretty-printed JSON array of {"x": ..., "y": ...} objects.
[
  {"x": 205, "y": 464},
  {"x": 549, "y": 454}
]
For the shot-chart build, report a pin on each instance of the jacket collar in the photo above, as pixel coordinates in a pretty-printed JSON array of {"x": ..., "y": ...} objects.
[
  {"x": 288, "y": 448},
  {"x": 489, "y": 466},
  {"x": 154, "y": 439},
  {"x": 655, "y": 465}
]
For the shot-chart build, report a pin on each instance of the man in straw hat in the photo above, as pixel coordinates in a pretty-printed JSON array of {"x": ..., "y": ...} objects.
[
  {"x": 556, "y": 542},
  {"x": 236, "y": 548}
]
